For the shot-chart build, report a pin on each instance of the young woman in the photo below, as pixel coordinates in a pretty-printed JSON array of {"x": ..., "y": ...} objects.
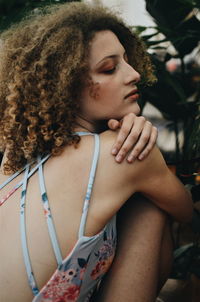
[{"x": 63, "y": 75}]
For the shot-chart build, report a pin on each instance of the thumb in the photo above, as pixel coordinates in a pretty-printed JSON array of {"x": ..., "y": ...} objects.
[{"x": 113, "y": 124}]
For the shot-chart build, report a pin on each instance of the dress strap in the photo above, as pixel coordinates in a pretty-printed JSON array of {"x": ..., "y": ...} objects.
[
  {"x": 23, "y": 183},
  {"x": 17, "y": 186},
  {"x": 82, "y": 133},
  {"x": 49, "y": 219},
  {"x": 27, "y": 261},
  {"x": 11, "y": 178},
  {"x": 90, "y": 184}
]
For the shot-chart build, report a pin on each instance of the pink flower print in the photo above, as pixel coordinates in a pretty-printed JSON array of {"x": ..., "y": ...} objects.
[
  {"x": 105, "y": 257},
  {"x": 60, "y": 289},
  {"x": 72, "y": 293},
  {"x": 101, "y": 267},
  {"x": 106, "y": 250}
]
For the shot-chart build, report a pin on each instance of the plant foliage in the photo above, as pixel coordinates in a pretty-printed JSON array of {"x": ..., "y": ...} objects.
[
  {"x": 12, "y": 11},
  {"x": 177, "y": 95},
  {"x": 177, "y": 21}
]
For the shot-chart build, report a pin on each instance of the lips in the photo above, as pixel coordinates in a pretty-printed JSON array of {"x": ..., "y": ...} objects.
[{"x": 132, "y": 93}]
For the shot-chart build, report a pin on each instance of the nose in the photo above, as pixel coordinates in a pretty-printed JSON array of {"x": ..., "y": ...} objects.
[{"x": 132, "y": 76}]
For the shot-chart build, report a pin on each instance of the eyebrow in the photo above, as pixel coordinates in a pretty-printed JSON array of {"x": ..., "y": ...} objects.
[
  {"x": 110, "y": 57},
  {"x": 107, "y": 57}
]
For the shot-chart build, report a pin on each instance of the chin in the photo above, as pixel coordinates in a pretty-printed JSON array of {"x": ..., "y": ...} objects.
[
  {"x": 138, "y": 111},
  {"x": 135, "y": 109},
  {"x": 118, "y": 116}
]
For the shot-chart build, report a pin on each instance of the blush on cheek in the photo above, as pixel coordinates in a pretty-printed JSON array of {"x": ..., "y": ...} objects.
[{"x": 94, "y": 90}]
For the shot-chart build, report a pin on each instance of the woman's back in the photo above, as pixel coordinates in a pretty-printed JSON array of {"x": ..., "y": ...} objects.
[{"x": 66, "y": 178}]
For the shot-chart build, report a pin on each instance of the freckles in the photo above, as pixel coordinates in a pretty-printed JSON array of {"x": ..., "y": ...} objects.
[{"x": 94, "y": 89}]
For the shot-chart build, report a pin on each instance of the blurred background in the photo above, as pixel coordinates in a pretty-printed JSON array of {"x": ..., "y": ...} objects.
[{"x": 171, "y": 31}]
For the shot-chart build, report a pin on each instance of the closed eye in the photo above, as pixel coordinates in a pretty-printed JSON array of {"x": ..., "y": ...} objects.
[{"x": 110, "y": 71}]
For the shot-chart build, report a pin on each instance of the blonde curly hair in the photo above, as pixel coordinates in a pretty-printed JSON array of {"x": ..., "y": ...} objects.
[{"x": 43, "y": 68}]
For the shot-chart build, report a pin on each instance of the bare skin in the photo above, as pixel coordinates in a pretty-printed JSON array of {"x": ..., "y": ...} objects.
[
  {"x": 136, "y": 137},
  {"x": 116, "y": 97},
  {"x": 156, "y": 255},
  {"x": 119, "y": 182},
  {"x": 104, "y": 204},
  {"x": 141, "y": 266}
]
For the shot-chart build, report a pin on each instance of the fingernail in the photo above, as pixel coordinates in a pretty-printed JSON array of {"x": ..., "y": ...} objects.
[
  {"x": 118, "y": 158},
  {"x": 114, "y": 151},
  {"x": 141, "y": 157},
  {"x": 130, "y": 159}
]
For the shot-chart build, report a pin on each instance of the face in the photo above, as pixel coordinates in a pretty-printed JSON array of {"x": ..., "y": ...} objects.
[{"x": 113, "y": 91}]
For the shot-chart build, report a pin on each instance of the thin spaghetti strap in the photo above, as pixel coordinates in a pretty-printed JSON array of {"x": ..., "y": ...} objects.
[
  {"x": 11, "y": 178},
  {"x": 49, "y": 219},
  {"x": 27, "y": 261},
  {"x": 90, "y": 185},
  {"x": 17, "y": 186},
  {"x": 82, "y": 133}
]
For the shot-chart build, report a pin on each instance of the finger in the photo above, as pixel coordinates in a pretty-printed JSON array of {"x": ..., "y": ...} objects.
[
  {"x": 141, "y": 143},
  {"x": 150, "y": 144},
  {"x": 113, "y": 124},
  {"x": 145, "y": 144},
  {"x": 132, "y": 138},
  {"x": 126, "y": 127}
]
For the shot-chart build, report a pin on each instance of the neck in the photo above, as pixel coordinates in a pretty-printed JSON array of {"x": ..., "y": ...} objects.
[{"x": 83, "y": 124}]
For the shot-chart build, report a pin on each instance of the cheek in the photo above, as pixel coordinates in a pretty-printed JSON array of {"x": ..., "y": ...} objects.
[
  {"x": 102, "y": 91},
  {"x": 94, "y": 90}
]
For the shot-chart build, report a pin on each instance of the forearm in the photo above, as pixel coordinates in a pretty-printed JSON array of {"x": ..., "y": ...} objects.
[
  {"x": 175, "y": 200},
  {"x": 164, "y": 188}
]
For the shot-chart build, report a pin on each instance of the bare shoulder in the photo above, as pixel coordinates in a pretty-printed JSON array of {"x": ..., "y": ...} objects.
[
  {"x": 120, "y": 181},
  {"x": 116, "y": 177},
  {"x": 117, "y": 182},
  {"x": 153, "y": 164},
  {"x": 107, "y": 139}
]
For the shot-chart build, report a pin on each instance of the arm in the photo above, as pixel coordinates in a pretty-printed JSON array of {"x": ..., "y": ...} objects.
[
  {"x": 151, "y": 177},
  {"x": 156, "y": 182},
  {"x": 135, "y": 139}
]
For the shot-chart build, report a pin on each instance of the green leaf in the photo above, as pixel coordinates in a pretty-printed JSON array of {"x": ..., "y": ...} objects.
[
  {"x": 171, "y": 18},
  {"x": 167, "y": 94},
  {"x": 182, "y": 250}
]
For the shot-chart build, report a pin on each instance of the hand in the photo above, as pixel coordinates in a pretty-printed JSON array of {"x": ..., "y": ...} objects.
[{"x": 136, "y": 135}]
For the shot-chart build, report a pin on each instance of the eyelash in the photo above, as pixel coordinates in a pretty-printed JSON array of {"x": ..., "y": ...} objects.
[{"x": 110, "y": 71}]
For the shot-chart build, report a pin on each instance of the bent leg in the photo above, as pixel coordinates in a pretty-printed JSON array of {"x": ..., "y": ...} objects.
[
  {"x": 135, "y": 274},
  {"x": 166, "y": 256}
]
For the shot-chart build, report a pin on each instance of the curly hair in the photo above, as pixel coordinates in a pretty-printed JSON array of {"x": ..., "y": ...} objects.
[{"x": 43, "y": 68}]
